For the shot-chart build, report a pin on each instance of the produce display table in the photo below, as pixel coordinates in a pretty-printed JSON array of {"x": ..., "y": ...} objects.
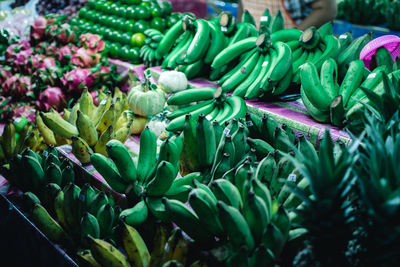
[
  {"x": 341, "y": 26},
  {"x": 292, "y": 113}
]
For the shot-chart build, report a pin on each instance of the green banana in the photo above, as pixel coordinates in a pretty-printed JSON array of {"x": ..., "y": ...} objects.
[
  {"x": 122, "y": 159},
  {"x": 235, "y": 226},
  {"x": 147, "y": 154},
  {"x": 90, "y": 226},
  {"x": 200, "y": 42},
  {"x": 191, "y": 95},
  {"x": 277, "y": 22},
  {"x": 227, "y": 192},
  {"x": 169, "y": 38},
  {"x": 105, "y": 217},
  {"x": 136, "y": 215},
  {"x": 352, "y": 80},
  {"x": 163, "y": 179},
  {"x": 107, "y": 168},
  {"x": 233, "y": 51},
  {"x": 47, "y": 224},
  {"x": 256, "y": 213},
  {"x": 206, "y": 209},
  {"x": 312, "y": 87}
]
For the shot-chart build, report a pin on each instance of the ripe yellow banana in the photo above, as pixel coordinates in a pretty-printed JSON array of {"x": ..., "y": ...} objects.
[
  {"x": 107, "y": 119},
  {"x": 47, "y": 134},
  {"x": 46, "y": 223},
  {"x": 86, "y": 259},
  {"x": 81, "y": 149},
  {"x": 86, "y": 129},
  {"x": 134, "y": 245},
  {"x": 106, "y": 253},
  {"x": 86, "y": 103},
  {"x": 107, "y": 135},
  {"x": 58, "y": 125}
]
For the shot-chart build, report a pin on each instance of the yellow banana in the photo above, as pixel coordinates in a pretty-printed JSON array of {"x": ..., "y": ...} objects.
[
  {"x": 134, "y": 245},
  {"x": 86, "y": 259},
  {"x": 124, "y": 132},
  {"x": 58, "y": 125},
  {"x": 107, "y": 119},
  {"x": 47, "y": 134},
  {"x": 106, "y": 253},
  {"x": 46, "y": 223},
  {"x": 107, "y": 135},
  {"x": 8, "y": 140},
  {"x": 86, "y": 128},
  {"x": 138, "y": 124},
  {"x": 81, "y": 149},
  {"x": 66, "y": 114},
  {"x": 103, "y": 106},
  {"x": 86, "y": 103}
]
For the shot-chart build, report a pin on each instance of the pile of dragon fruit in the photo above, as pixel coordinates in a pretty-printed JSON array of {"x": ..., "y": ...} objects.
[{"x": 50, "y": 68}]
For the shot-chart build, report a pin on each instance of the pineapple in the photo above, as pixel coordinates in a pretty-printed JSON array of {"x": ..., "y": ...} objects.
[
  {"x": 323, "y": 213},
  {"x": 378, "y": 176}
]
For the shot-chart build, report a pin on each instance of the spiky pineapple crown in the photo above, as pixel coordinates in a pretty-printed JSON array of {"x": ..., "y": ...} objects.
[{"x": 323, "y": 212}]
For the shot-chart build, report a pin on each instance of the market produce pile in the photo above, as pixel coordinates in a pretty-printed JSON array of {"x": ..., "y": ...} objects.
[
  {"x": 125, "y": 25},
  {"x": 370, "y": 12},
  {"x": 210, "y": 183},
  {"x": 50, "y": 69}
]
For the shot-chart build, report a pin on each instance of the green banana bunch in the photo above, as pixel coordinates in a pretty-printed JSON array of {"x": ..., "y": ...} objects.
[
  {"x": 210, "y": 102},
  {"x": 148, "y": 52},
  {"x": 390, "y": 13},
  {"x": 327, "y": 101},
  {"x": 187, "y": 45},
  {"x": 17, "y": 136},
  {"x": 351, "y": 53},
  {"x": 90, "y": 127},
  {"x": 365, "y": 12},
  {"x": 143, "y": 180},
  {"x": 264, "y": 67}
]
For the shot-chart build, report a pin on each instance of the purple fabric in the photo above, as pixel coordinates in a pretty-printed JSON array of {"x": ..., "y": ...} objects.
[
  {"x": 390, "y": 42},
  {"x": 198, "y": 7}
]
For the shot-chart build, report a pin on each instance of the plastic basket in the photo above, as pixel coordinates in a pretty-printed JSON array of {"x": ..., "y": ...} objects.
[{"x": 390, "y": 42}]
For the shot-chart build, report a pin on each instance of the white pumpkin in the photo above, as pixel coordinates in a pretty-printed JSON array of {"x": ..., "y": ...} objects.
[
  {"x": 172, "y": 81},
  {"x": 145, "y": 99}
]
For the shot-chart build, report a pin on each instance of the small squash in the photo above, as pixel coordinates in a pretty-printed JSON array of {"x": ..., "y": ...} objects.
[
  {"x": 146, "y": 99},
  {"x": 172, "y": 81}
]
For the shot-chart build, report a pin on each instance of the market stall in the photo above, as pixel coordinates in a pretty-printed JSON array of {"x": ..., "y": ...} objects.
[{"x": 150, "y": 133}]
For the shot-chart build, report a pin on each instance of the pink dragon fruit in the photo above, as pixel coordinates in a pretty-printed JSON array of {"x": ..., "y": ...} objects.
[
  {"x": 85, "y": 58},
  {"x": 64, "y": 34},
  {"x": 5, "y": 72},
  {"x": 26, "y": 111},
  {"x": 92, "y": 42},
  {"x": 51, "y": 97},
  {"x": 47, "y": 62},
  {"x": 14, "y": 49},
  {"x": 65, "y": 53},
  {"x": 18, "y": 86},
  {"x": 102, "y": 74},
  {"x": 95, "y": 96},
  {"x": 78, "y": 78},
  {"x": 38, "y": 29},
  {"x": 22, "y": 57}
]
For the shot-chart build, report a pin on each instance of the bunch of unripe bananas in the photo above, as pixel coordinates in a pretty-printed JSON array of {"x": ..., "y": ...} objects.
[
  {"x": 187, "y": 45},
  {"x": 326, "y": 101},
  {"x": 204, "y": 100},
  {"x": 17, "y": 136},
  {"x": 90, "y": 127},
  {"x": 237, "y": 139},
  {"x": 148, "y": 52},
  {"x": 143, "y": 180},
  {"x": 79, "y": 211}
]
